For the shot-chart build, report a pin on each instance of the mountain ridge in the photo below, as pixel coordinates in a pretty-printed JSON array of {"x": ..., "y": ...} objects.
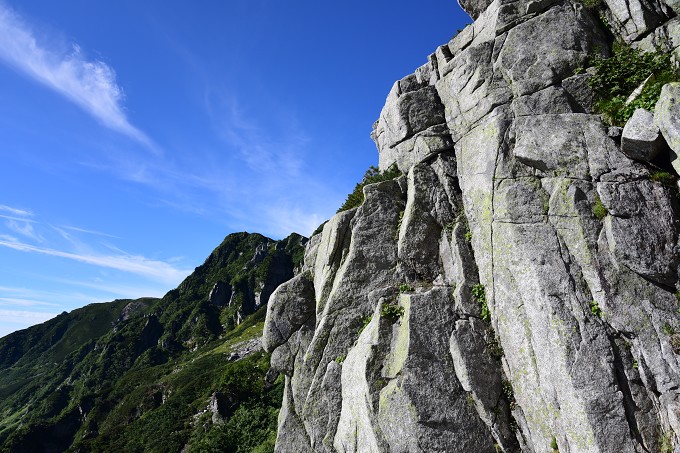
[{"x": 64, "y": 383}]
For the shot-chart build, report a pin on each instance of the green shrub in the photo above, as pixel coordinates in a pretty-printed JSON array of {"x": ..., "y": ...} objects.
[
  {"x": 668, "y": 329},
  {"x": 479, "y": 293},
  {"x": 595, "y": 309},
  {"x": 616, "y": 77},
  {"x": 373, "y": 175},
  {"x": 391, "y": 311},
  {"x": 599, "y": 211},
  {"x": 405, "y": 288}
]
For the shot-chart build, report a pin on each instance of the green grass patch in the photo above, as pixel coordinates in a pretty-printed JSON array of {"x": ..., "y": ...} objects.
[
  {"x": 663, "y": 177},
  {"x": 599, "y": 211}
]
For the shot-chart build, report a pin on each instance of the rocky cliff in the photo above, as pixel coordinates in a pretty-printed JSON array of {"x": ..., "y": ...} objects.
[{"x": 517, "y": 288}]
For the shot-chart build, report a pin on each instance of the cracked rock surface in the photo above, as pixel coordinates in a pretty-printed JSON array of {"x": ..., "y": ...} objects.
[{"x": 479, "y": 303}]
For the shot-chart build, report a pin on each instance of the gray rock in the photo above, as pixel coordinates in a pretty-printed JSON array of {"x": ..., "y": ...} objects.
[
  {"x": 667, "y": 118},
  {"x": 641, "y": 138},
  {"x": 220, "y": 294},
  {"x": 578, "y": 88},
  {"x": 474, "y": 7},
  {"x": 631, "y": 19},
  {"x": 291, "y": 306},
  {"x": 504, "y": 166},
  {"x": 642, "y": 230}
]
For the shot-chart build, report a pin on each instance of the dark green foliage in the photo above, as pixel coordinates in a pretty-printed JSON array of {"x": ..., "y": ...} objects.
[
  {"x": 591, "y": 4},
  {"x": 372, "y": 176},
  {"x": 141, "y": 370},
  {"x": 616, "y": 77},
  {"x": 479, "y": 293},
  {"x": 391, "y": 311}
]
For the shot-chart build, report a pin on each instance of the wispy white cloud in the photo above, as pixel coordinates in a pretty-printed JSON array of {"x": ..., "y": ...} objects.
[
  {"x": 10, "y": 301},
  {"x": 24, "y": 229},
  {"x": 25, "y": 317},
  {"x": 135, "y": 264},
  {"x": 90, "y": 84},
  {"x": 8, "y": 238},
  {"x": 38, "y": 297},
  {"x": 19, "y": 219},
  {"x": 15, "y": 211},
  {"x": 118, "y": 290},
  {"x": 84, "y": 230}
]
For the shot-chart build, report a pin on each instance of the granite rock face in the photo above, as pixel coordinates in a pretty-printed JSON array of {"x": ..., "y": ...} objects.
[{"x": 479, "y": 303}]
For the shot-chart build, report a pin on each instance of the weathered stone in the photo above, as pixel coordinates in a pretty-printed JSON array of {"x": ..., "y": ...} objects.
[
  {"x": 641, "y": 138},
  {"x": 642, "y": 229},
  {"x": 411, "y": 108},
  {"x": 291, "y": 305},
  {"x": 561, "y": 39},
  {"x": 633, "y": 18},
  {"x": 505, "y": 165},
  {"x": 667, "y": 118},
  {"x": 474, "y": 7},
  {"x": 578, "y": 88}
]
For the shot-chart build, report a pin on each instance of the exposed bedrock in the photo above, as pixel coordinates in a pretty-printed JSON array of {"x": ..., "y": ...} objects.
[{"x": 515, "y": 290}]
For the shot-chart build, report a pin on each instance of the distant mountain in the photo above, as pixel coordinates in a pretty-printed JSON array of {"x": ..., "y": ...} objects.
[{"x": 181, "y": 373}]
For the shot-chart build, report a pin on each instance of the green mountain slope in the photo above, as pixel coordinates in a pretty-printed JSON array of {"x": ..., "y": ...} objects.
[{"x": 181, "y": 373}]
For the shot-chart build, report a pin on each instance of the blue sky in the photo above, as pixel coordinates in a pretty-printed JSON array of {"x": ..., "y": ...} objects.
[{"x": 136, "y": 135}]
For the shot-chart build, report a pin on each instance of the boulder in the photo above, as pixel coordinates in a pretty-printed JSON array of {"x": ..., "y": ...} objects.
[
  {"x": 641, "y": 138},
  {"x": 667, "y": 118}
]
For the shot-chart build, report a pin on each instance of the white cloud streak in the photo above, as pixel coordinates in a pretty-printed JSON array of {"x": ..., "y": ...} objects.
[
  {"x": 15, "y": 211},
  {"x": 24, "y": 229},
  {"x": 83, "y": 230},
  {"x": 89, "y": 84},
  {"x": 24, "y": 302},
  {"x": 22, "y": 316},
  {"x": 139, "y": 265}
]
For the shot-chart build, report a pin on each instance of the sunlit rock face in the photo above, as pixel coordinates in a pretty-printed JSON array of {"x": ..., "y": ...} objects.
[{"x": 515, "y": 289}]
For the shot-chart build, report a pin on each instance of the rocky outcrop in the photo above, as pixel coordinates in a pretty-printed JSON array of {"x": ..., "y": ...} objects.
[{"x": 516, "y": 289}]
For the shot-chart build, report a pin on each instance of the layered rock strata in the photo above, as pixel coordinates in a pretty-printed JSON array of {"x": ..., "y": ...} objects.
[{"x": 516, "y": 289}]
